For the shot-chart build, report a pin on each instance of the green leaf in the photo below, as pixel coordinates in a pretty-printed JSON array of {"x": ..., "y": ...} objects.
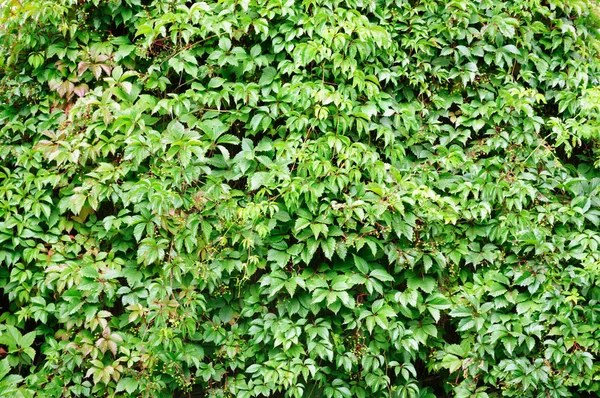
[
  {"x": 4, "y": 368},
  {"x": 511, "y": 49},
  {"x": 226, "y": 313},
  {"x": 451, "y": 362},
  {"x": 27, "y": 340},
  {"x": 268, "y": 76},
  {"x": 216, "y": 82},
  {"x": 258, "y": 180},
  {"x": 281, "y": 258},
  {"x": 426, "y": 283},
  {"x": 328, "y": 247},
  {"x": 387, "y": 311},
  {"x": 382, "y": 275},
  {"x": 509, "y": 344},
  {"x": 361, "y": 264},
  {"x": 124, "y": 51},
  {"x": 301, "y": 223},
  {"x": 127, "y": 384},
  {"x": 76, "y": 202}
]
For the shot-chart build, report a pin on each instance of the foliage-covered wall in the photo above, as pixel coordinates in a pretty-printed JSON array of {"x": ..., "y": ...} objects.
[{"x": 299, "y": 198}]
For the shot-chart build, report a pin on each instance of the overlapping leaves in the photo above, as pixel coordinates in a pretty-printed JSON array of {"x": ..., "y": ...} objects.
[{"x": 299, "y": 198}]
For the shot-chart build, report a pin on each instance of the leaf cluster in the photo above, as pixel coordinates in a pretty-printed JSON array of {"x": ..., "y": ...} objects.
[{"x": 299, "y": 198}]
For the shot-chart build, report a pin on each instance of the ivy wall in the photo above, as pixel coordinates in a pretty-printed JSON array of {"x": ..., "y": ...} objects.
[{"x": 311, "y": 198}]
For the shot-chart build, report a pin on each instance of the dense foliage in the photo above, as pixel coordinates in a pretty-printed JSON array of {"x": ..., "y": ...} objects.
[{"x": 299, "y": 198}]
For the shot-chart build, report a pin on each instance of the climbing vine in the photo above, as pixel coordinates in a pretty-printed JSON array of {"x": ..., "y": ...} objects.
[{"x": 299, "y": 198}]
